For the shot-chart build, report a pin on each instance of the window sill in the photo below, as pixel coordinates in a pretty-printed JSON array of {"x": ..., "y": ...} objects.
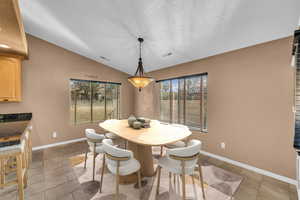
[
  {"x": 86, "y": 123},
  {"x": 191, "y": 128},
  {"x": 199, "y": 132},
  {"x": 196, "y": 129}
]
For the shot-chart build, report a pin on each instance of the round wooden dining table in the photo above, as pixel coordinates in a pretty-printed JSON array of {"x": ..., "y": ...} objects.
[{"x": 140, "y": 141}]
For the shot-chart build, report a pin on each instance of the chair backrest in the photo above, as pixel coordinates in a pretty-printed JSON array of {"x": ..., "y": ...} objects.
[
  {"x": 187, "y": 154},
  {"x": 115, "y": 154},
  {"x": 88, "y": 131},
  {"x": 92, "y": 137},
  {"x": 180, "y": 126}
]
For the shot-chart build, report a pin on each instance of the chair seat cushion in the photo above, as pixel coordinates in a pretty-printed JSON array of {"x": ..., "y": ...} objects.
[
  {"x": 111, "y": 136},
  {"x": 91, "y": 146},
  {"x": 131, "y": 166},
  {"x": 174, "y": 166},
  {"x": 99, "y": 149},
  {"x": 178, "y": 144}
]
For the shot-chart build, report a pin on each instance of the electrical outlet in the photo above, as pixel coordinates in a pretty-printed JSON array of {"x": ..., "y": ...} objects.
[
  {"x": 223, "y": 145},
  {"x": 54, "y": 134}
]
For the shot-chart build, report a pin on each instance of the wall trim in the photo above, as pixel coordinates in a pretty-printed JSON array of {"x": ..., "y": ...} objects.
[
  {"x": 57, "y": 144},
  {"x": 239, "y": 164},
  {"x": 251, "y": 168}
]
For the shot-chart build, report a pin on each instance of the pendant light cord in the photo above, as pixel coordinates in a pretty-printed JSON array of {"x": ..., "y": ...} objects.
[
  {"x": 140, "y": 49},
  {"x": 140, "y": 70}
]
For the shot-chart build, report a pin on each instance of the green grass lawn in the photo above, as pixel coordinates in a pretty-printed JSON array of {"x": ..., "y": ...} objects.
[
  {"x": 84, "y": 112},
  {"x": 192, "y": 112}
]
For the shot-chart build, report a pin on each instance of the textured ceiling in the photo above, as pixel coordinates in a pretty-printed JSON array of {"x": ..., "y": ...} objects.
[{"x": 188, "y": 29}]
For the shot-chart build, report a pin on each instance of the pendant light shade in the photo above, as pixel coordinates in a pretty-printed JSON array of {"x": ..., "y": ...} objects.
[{"x": 139, "y": 80}]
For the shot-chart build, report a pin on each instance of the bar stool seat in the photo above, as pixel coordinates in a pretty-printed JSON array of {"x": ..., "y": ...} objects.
[{"x": 17, "y": 148}]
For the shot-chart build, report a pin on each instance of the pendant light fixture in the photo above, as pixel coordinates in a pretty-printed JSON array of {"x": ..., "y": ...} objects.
[{"x": 139, "y": 80}]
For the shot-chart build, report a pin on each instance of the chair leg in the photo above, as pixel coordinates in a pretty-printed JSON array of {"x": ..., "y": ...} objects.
[
  {"x": 24, "y": 167},
  {"x": 102, "y": 172},
  {"x": 125, "y": 144},
  {"x": 158, "y": 180},
  {"x": 193, "y": 180},
  {"x": 25, "y": 179},
  {"x": 117, "y": 180},
  {"x": 2, "y": 173},
  {"x": 170, "y": 179},
  {"x": 139, "y": 182},
  {"x": 183, "y": 180},
  {"x": 201, "y": 180},
  {"x": 94, "y": 161},
  {"x": 20, "y": 177},
  {"x": 139, "y": 179},
  {"x": 85, "y": 159},
  {"x": 174, "y": 179},
  {"x": 30, "y": 149},
  {"x": 161, "y": 151},
  {"x": 183, "y": 186}
]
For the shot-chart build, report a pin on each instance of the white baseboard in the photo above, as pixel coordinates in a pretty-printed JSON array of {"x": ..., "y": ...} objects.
[
  {"x": 251, "y": 168},
  {"x": 239, "y": 164},
  {"x": 57, "y": 144}
]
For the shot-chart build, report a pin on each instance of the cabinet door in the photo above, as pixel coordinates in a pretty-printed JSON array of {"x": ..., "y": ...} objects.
[{"x": 10, "y": 79}]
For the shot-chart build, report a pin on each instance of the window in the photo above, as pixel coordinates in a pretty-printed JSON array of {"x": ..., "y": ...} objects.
[
  {"x": 93, "y": 101},
  {"x": 184, "y": 101}
]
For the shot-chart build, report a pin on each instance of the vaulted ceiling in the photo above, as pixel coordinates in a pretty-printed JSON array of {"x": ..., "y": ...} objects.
[{"x": 175, "y": 31}]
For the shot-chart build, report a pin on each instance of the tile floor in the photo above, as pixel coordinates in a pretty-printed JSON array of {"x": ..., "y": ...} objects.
[{"x": 52, "y": 177}]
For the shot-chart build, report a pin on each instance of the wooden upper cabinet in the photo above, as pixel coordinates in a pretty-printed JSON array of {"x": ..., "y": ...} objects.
[
  {"x": 10, "y": 79},
  {"x": 12, "y": 36}
]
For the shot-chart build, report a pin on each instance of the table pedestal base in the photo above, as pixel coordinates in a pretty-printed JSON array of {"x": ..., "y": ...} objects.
[{"x": 144, "y": 155}]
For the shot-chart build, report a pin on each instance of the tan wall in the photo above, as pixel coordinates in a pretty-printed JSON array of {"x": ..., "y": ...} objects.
[
  {"x": 250, "y": 98},
  {"x": 45, "y": 88}
]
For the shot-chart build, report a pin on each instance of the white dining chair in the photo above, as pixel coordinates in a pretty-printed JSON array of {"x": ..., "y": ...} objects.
[
  {"x": 113, "y": 136},
  {"x": 119, "y": 162},
  {"x": 178, "y": 144},
  {"x": 182, "y": 161},
  {"x": 94, "y": 141}
]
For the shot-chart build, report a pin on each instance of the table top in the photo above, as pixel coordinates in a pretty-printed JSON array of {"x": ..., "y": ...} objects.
[{"x": 158, "y": 134}]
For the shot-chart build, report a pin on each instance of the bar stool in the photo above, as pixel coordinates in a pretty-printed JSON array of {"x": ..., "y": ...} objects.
[
  {"x": 182, "y": 161},
  {"x": 29, "y": 143},
  {"x": 94, "y": 141},
  {"x": 119, "y": 162},
  {"x": 18, "y": 152}
]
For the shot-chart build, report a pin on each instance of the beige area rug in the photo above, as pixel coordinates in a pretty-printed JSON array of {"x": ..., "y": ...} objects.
[{"x": 219, "y": 184}]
